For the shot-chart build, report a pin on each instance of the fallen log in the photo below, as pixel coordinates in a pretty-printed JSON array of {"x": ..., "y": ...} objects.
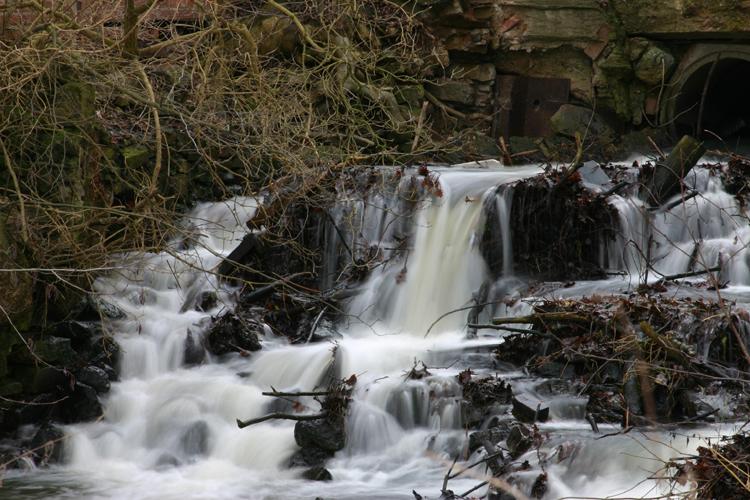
[
  {"x": 690, "y": 274},
  {"x": 279, "y": 416},
  {"x": 267, "y": 290},
  {"x": 279, "y": 394},
  {"x": 249, "y": 245},
  {"x": 615, "y": 188},
  {"x": 669, "y": 206},
  {"x": 667, "y": 176},
  {"x": 504, "y": 328},
  {"x": 542, "y": 317},
  {"x": 493, "y": 456}
]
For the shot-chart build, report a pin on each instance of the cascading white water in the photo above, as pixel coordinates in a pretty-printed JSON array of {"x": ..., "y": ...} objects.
[
  {"x": 169, "y": 431},
  {"x": 705, "y": 231}
]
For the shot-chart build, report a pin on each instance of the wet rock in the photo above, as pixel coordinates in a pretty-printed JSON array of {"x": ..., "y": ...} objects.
[
  {"x": 42, "y": 408},
  {"x": 494, "y": 435},
  {"x": 555, "y": 369},
  {"x": 571, "y": 119},
  {"x": 105, "y": 308},
  {"x": 95, "y": 377},
  {"x": 232, "y": 332},
  {"x": 539, "y": 488},
  {"x": 454, "y": 91},
  {"x": 50, "y": 379},
  {"x": 111, "y": 372},
  {"x": 207, "y": 300},
  {"x": 56, "y": 350},
  {"x": 166, "y": 461},
  {"x": 317, "y": 474},
  {"x": 102, "y": 351},
  {"x": 47, "y": 445},
  {"x": 82, "y": 405},
  {"x": 310, "y": 457},
  {"x": 195, "y": 439},
  {"x": 693, "y": 407},
  {"x": 194, "y": 353},
  {"x": 12, "y": 458},
  {"x": 519, "y": 440},
  {"x": 79, "y": 332},
  {"x": 592, "y": 174},
  {"x": 529, "y": 410},
  {"x": 320, "y": 434},
  {"x": 482, "y": 397},
  {"x": 605, "y": 404}
]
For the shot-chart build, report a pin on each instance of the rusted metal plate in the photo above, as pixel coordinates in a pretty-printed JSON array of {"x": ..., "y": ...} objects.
[{"x": 524, "y": 105}]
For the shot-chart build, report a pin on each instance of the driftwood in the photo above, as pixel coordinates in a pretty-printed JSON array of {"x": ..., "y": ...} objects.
[
  {"x": 668, "y": 175},
  {"x": 504, "y": 328},
  {"x": 316, "y": 323},
  {"x": 267, "y": 290},
  {"x": 279, "y": 394},
  {"x": 690, "y": 274},
  {"x": 279, "y": 416},
  {"x": 688, "y": 196},
  {"x": 542, "y": 317},
  {"x": 615, "y": 188},
  {"x": 249, "y": 245}
]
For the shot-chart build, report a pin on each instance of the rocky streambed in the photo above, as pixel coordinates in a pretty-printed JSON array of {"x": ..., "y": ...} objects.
[{"x": 468, "y": 331}]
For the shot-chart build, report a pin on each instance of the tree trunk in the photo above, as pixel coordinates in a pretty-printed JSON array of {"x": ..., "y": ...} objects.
[
  {"x": 130, "y": 29},
  {"x": 668, "y": 174}
]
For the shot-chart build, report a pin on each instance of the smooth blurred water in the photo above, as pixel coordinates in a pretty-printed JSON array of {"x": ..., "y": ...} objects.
[{"x": 169, "y": 431}]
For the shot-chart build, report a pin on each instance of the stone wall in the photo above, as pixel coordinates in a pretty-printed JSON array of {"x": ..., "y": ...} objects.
[
  {"x": 620, "y": 56},
  {"x": 15, "y": 17},
  {"x": 509, "y": 65}
]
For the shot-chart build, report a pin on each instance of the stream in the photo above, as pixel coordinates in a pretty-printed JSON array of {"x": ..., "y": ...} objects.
[{"x": 169, "y": 431}]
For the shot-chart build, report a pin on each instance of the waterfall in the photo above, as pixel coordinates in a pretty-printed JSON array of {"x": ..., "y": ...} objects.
[
  {"x": 707, "y": 230},
  {"x": 169, "y": 430}
]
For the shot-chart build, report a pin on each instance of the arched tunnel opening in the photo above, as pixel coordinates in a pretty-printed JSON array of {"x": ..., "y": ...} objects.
[{"x": 714, "y": 102}]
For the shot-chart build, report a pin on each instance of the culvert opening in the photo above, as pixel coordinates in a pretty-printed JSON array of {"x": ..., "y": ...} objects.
[{"x": 726, "y": 105}]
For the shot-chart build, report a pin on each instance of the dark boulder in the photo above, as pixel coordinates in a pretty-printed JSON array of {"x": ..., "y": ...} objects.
[
  {"x": 310, "y": 457},
  {"x": 95, "y": 377},
  {"x": 519, "y": 440},
  {"x": 47, "y": 445},
  {"x": 56, "y": 350},
  {"x": 232, "y": 332},
  {"x": 79, "y": 332},
  {"x": 51, "y": 379},
  {"x": 482, "y": 397},
  {"x": 166, "y": 461},
  {"x": 317, "y": 474},
  {"x": 12, "y": 459},
  {"x": 81, "y": 405},
  {"x": 102, "y": 308},
  {"x": 320, "y": 434},
  {"x": 493, "y": 435},
  {"x": 207, "y": 300},
  {"x": 195, "y": 439},
  {"x": 194, "y": 353},
  {"x": 102, "y": 350},
  {"x": 42, "y": 408},
  {"x": 692, "y": 407},
  {"x": 529, "y": 410}
]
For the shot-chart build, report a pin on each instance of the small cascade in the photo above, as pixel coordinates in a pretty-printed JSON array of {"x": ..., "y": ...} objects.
[
  {"x": 709, "y": 229},
  {"x": 169, "y": 429}
]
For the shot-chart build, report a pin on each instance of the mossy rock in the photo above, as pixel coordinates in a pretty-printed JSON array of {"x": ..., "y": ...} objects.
[
  {"x": 10, "y": 387},
  {"x": 654, "y": 66},
  {"x": 75, "y": 103},
  {"x": 571, "y": 119},
  {"x": 135, "y": 156}
]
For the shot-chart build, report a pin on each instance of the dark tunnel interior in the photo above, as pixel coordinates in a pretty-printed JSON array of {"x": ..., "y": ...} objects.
[{"x": 723, "y": 88}]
